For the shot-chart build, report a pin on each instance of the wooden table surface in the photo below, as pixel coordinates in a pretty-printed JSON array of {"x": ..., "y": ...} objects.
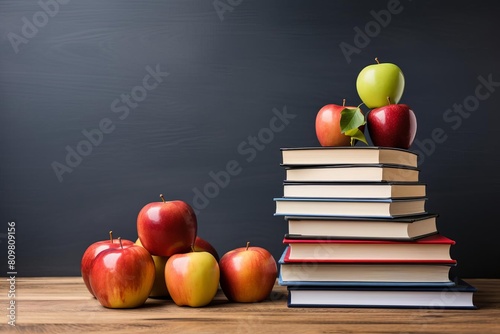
[{"x": 63, "y": 305}]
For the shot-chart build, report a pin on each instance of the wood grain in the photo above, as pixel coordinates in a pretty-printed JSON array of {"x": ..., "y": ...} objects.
[{"x": 63, "y": 305}]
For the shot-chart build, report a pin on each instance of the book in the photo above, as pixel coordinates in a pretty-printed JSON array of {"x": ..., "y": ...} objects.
[
  {"x": 359, "y": 207},
  {"x": 354, "y": 190},
  {"x": 400, "y": 228},
  {"x": 369, "y": 274},
  {"x": 431, "y": 249},
  {"x": 308, "y": 156},
  {"x": 459, "y": 296},
  {"x": 352, "y": 173}
]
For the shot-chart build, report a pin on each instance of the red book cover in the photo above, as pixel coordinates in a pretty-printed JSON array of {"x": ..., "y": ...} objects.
[{"x": 433, "y": 239}]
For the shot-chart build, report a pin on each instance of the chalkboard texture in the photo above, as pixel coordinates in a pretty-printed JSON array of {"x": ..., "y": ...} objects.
[{"x": 106, "y": 104}]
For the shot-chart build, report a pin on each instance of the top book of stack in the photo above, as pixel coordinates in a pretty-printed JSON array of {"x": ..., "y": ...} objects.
[{"x": 347, "y": 155}]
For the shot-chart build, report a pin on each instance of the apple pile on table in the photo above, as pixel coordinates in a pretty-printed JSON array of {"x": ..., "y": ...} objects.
[
  {"x": 380, "y": 86},
  {"x": 169, "y": 259}
]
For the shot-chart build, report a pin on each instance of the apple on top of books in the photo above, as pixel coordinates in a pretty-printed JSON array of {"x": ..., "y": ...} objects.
[
  {"x": 392, "y": 125},
  {"x": 328, "y": 127},
  {"x": 380, "y": 86},
  {"x": 377, "y": 82}
]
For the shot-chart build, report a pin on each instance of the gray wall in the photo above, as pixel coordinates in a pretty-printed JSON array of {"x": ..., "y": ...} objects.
[{"x": 226, "y": 75}]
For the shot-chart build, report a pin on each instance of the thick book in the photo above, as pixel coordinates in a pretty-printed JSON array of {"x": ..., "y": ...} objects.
[
  {"x": 363, "y": 274},
  {"x": 354, "y": 190},
  {"x": 359, "y": 207},
  {"x": 457, "y": 296},
  {"x": 401, "y": 228},
  {"x": 310, "y": 156},
  {"x": 352, "y": 173},
  {"x": 431, "y": 249}
]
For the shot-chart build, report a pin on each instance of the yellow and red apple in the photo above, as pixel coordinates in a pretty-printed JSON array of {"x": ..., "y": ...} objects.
[
  {"x": 92, "y": 251},
  {"x": 122, "y": 277},
  {"x": 201, "y": 245},
  {"x": 192, "y": 278},
  {"x": 159, "y": 286},
  {"x": 248, "y": 274}
]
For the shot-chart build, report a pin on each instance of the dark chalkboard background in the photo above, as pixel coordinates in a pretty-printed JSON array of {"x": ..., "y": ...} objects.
[{"x": 226, "y": 75}]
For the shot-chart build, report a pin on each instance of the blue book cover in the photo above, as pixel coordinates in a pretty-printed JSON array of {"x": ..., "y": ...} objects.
[{"x": 457, "y": 296}]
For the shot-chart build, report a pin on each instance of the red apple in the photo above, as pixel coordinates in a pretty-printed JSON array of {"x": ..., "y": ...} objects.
[
  {"x": 393, "y": 125},
  {"x": 192, "y": 278},
  {"x": 248, "y": 274},
  {"x": 122, "y": 277},
  {"x": 201, "y": 245},
  {"x": 167, "y": 228},
  {"x": 328, "y": 126},
  {"x": 92, "y": 251}
]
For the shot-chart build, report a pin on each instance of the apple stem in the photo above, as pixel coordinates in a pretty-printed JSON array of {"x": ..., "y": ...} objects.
[
  {"x": 111, "y": 236},
  {"x": 389, "y": 100},
  {"x": 376, "y": 59},
  {"x": 192, "y": 248},
  {"x": 120, "y": 241},
  {"x": 162, "y": 198},
  {"x": 248, "y": 245},
  {"x": 343, "y": 103}
]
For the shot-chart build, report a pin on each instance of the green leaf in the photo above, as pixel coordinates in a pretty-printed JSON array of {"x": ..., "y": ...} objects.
[
  {"x": 351, "y": 119},
  {"x": 356, "y": 134}
]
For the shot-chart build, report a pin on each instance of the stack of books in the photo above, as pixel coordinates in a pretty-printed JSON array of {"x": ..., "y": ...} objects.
[{"x": 359, "y": 234}]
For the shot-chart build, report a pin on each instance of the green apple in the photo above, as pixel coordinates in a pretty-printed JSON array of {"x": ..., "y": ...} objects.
[
  {"x": 378, "y": 82},
  {"x": 192, "y": 278}
]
